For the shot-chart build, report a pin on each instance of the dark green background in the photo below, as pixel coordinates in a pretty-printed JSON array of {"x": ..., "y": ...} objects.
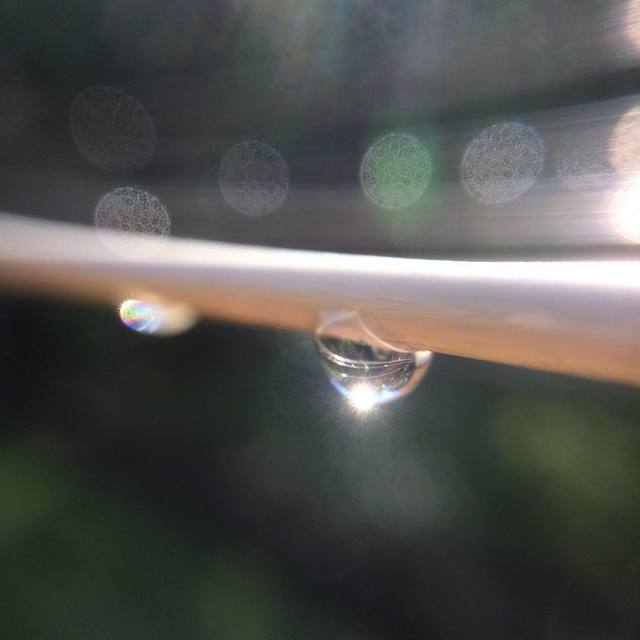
[{"x": 214, "y": 485}]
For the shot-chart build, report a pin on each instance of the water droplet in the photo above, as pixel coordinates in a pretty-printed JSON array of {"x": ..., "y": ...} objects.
[
  {"x": 254, "y": 178},
  {"x": 396, "y": 171},
  {"x": 502, "y": 162},
  {"x": 112, "y": 130},
  {"x": 364, "y": 369},
  {"x": 156, "y": 318},
  {"x": 139, "y": 316}
]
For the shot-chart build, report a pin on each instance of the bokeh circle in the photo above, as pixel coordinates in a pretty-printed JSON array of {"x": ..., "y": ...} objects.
[
  {"x": 583, "y": 164},
  {"x": 502, "y": 162},
  {"x": 112, "y": 130},
  {"x": 254, "y": 178},
  {"x": 130, "y": 217},
  {"x": 396, "y": 171}
]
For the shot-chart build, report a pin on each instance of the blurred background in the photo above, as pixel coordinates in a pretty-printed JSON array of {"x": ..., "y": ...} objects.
[{"x": 213, "y": 484}]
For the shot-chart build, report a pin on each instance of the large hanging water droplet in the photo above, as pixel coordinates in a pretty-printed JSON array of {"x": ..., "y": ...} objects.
[{"x": 363, "y": 368}]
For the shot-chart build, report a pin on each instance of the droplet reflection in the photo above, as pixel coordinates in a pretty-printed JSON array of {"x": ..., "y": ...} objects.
[
  {"x": 154, "y": 318},
  {"x": 363, "y": 397},
  {"x": 365, "y": 370}
]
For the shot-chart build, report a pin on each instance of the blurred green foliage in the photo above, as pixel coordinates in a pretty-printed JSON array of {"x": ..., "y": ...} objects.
[{"x": 213, "y": 485}]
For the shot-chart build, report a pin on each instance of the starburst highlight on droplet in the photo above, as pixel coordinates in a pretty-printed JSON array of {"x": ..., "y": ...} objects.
[{"x": 363, "y": 398}]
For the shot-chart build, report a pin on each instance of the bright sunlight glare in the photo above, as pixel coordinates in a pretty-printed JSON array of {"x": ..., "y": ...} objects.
[{"x": 363, "y": 398}]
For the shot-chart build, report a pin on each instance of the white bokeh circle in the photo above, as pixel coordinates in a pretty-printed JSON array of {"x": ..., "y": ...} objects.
[
  {"x": 502, "y": 162},
  {"x": 624, "y": 145},
  {"x": 625, "y": 213},
  {"x": 254, "y": 178},
  {"x": 582, "y": 164},
  {"x": 112, "y": 130},
  {"x": 130, "y": 218}
]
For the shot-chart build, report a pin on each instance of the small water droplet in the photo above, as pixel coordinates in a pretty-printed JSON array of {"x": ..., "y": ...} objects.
[
  {"x": 363, "y": 368},
  {"x": 154, "y": 318}
]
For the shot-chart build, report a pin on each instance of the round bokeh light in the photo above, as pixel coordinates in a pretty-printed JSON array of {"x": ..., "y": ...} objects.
[
  {"x": 502, "y": 162},
  {"x": 254, "y": 178},
  {"x": 130, "y": 218},
  {"x": 396, "y": 171},
  {"x": 112, "y": 130}
]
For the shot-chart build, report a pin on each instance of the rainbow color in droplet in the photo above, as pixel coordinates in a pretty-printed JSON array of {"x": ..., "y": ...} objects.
[{"x": 140, "y": 316}]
